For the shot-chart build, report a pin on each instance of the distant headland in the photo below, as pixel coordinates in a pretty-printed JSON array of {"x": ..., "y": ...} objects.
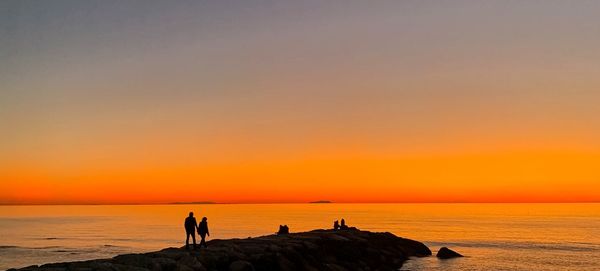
[
  {"x": 194, "y": 202},
  {"x": 321, "y": 201}
]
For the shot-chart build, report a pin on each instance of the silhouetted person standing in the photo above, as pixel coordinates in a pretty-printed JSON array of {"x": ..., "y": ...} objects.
[
  {"x": 190, "y": 229},
  {"x": 203, "y": 231},
  {"x": 336, "y": 225},
  {"x": 343, "y": 225}
]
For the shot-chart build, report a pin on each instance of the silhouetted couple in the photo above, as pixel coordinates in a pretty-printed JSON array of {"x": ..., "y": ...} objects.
[
  {"x": 190, "y": 229},
  {"x": 283, "y": 229},
  {"x": 338, "y": 226}
]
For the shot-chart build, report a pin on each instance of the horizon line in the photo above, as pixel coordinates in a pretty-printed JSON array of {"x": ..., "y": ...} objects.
[{"x": 312, "y": 203}]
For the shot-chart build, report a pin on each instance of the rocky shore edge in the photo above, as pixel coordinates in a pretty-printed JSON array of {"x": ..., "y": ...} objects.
[{"x": 336, "y": 250}]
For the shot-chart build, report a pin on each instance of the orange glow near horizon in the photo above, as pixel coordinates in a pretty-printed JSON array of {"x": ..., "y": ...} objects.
[{"x": 502, "y": 177}]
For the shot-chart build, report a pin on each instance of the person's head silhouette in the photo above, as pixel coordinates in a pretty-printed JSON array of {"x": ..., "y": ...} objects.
[
  {"x": 204, "y": 219},
  {"x": 191, "y": 214}
]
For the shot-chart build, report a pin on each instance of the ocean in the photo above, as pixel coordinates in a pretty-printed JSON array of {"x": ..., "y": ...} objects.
[{"x": 491, "y": 236}]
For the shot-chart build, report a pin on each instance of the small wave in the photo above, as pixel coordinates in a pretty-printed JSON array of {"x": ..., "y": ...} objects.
[
  {"x": 121, "y": 239},
  {"x": 114, "y": 247},
  {"x": 35, "y": 248},
  {"x": 111, "y": 246},
  {"x": 6, "y": 247},
  {"x": 48, "y": 247}
]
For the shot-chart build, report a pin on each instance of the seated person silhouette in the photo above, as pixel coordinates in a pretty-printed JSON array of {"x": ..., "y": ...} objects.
[
  {"x": 203, "y": 231},
  {"x": 343, "y": 225},
  {"x": 190, "y": 226},
  {"x": 336, "y": 225},
  {"x": 283, "y": 229}
]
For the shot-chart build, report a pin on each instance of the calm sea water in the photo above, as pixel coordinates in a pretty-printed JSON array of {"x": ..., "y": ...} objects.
[{"x": 493, "y": 236}]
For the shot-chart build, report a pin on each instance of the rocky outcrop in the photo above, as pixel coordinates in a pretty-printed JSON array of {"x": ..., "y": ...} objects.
[
  {"x": 350, "y": 249},
  {"x": 446, "y": 253}
]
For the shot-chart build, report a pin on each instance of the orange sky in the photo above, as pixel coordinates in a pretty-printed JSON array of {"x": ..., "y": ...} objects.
[
  {"x": 500, "y": 177},
  {"x": 294, "y": 102}
]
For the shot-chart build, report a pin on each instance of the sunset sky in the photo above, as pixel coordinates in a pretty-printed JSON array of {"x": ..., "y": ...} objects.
[{"x": 294, "y": 101}]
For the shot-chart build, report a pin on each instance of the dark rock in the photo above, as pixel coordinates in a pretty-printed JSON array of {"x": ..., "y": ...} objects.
[
  {"x": 349, "y": 249},
  {"x": 446, "y": 253},
  {"x": 183, "y": 268},
  {"x": 102, "y": 266},
  {"x": 120, "y": 267},
  {"x": 139, "y": 260},
  {"x": 191, "y": 262},
  {"x": 335, "y": 267},
  {"x": 241, "y": 266},
  {"x": 171, "y": 253},
  {"x": 164, "y": 264}
]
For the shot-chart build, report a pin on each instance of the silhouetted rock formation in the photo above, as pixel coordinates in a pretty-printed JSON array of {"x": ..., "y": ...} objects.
[
  {"x": 315, "y": 250},
  {"x": 446, "y": 253}
]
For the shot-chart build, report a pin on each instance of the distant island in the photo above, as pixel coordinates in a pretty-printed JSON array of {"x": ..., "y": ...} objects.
[
  {"x": 321, "y": 201},
  {"x": 349, "y": 249},
  {"x": 194, "y": 202}
]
